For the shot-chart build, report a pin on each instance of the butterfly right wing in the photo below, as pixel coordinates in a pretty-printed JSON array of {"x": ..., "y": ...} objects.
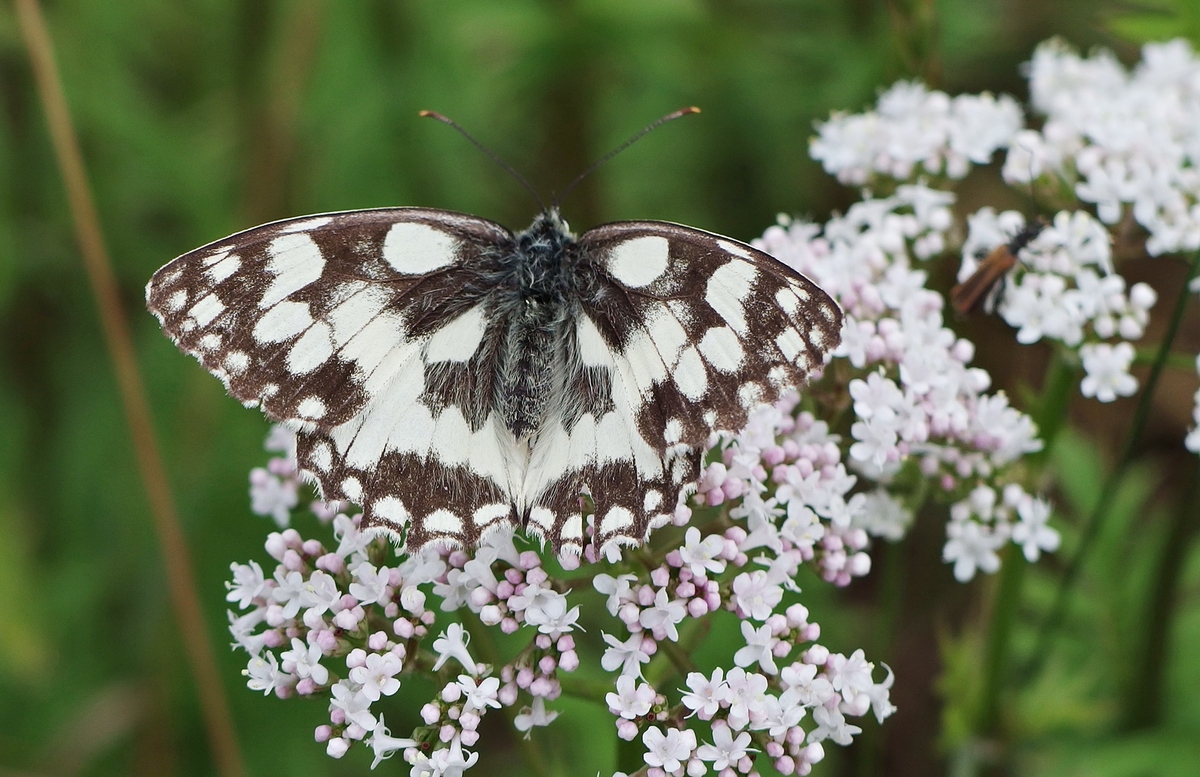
[
  {"x": 365, "y": 332},
  {"x": 687, "y": 332}
]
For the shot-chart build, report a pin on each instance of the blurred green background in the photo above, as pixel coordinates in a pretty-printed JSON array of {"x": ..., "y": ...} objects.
[{"x": 202, "y": 118}]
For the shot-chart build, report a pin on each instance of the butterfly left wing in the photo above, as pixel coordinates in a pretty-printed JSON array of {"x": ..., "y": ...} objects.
[
  {"x": 687, "y": 332},
  {"x": 366, "y": 333}
]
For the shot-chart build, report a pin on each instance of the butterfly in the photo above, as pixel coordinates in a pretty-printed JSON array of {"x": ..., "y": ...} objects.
[
  {"x": 454, "y": 379},
  {"x": 967, "y": 296}
]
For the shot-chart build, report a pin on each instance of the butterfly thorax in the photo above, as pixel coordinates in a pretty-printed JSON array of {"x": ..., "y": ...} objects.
[{"x": 539, "y": 282}]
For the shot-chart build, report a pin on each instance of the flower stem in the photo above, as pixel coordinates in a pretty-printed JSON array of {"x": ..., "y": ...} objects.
[
  {"x": 1092, "y": 528},
  {"x": 1144, "y": 695},
  {"x": 1050, "y": 416},
  {"x": 177, "y": 563}
]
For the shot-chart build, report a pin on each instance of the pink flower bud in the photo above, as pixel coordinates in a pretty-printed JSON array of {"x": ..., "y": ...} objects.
[
  {"x": 480, "y": 596},
  {"x": 403, "y": 628},
  {"x": 529, "y": 560},
  {"x": 469, "y": 721},
  {"x": 377, "y": 641},
  {"x": 674, "y": 559},
  {"x": 331, "y": 563},
  {"x": 273, "y": 639},
  {"x": 336, "y": 747},
  {"x": 774, "y": 749},
  {"x": 785, "y": 765},
  {"x": 312, "y": 548},
  {"x": 524, "y": 677},
  {"x": 541, "y": 687},
  {"x": 458, "y": 558},
  {"x": 447, "y": 732},
  {"x": 565, "y": 642},
  {"x": 685, "y": 591},
  {"x": 356, "y": 658},
  {"x": 626, "y": 729},
  {"x": 292, "y": 561},
  {"x": 514, "y": 576},
  {"x": 773, "y": 455},
  {"x": 469, "y": 737},
  {"x": 645, "y": 595},
  {"x": 505, "y": 590},
  {"x": 323, "y": 733},
  {"x": 697, "y": 607},
  {"x": 305, "y": 686},
  {"x": 507, "y": 695},
  {"x": 542, "y": 641},
  {"x": 660, "y": 577},
  {"x": 509, "y": 625},
  {"x": 547, "y": 664},
  {"x": 569, "y": 661},
  {"x": 536, "y": 576},
  {"x": 714, "y": 497},
  {"x": 430, "y": 713},
  {"x": 428, "y": 618}
]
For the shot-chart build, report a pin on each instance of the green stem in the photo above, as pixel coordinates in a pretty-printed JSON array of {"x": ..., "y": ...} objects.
[
  {"x": 1091, "y": 530},
  {"x": 1050, "y": 416},
  {"x": 1144, "y": 694}
]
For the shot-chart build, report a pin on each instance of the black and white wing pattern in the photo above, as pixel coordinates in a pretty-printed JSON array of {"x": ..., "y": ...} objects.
[
  {"x": 453, "y": 378},
  {"x": 685, "y": 334},
  {"x": 353, "y": 329}
]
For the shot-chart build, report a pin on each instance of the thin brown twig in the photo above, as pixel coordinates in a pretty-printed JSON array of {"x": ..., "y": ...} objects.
[{"x": 180, "y": 577}]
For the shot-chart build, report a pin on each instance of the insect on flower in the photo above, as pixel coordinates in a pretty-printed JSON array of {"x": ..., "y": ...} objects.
[
  {"x": 967, "y": 296},
  {"x": 455, "y": 379}
]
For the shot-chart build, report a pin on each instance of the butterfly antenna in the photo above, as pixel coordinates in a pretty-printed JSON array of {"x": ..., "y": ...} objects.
[
  {"x": 638, "y": 136},
  {"x": 491, "y": 154}
]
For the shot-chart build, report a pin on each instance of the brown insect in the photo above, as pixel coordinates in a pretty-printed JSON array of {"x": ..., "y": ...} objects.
[{"x": 966, "y": 296}]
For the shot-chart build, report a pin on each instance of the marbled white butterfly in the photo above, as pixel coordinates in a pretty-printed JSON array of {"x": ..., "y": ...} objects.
[{"x": 453, "y": 379}]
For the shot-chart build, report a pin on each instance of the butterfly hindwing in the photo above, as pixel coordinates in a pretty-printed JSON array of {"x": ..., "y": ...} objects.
[
  {"x": 359, "y": 330},
  {"x": 688, "y": 333}
]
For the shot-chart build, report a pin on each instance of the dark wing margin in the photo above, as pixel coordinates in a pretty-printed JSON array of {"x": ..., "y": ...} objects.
[
  {"x": 689, "y": 331},
  {"x": 363, "y": 332}
]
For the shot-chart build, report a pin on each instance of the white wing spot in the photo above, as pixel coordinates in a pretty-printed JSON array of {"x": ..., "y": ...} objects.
[
  {"x": 541, "y": 517},
  {"x": 322, "y": 456},
  {"x": 652, "y": 501},
  {"x": 391, "y": 510},
  {"x": 615, "y": 519},
  {"x": 721, "y": 347},
  {"x": 593, "y": 350},
  {"x": 640, "y": 261},
  {"x": 788, "y": 300},
  {"x": 176, "y": 301},
  {"x": 224, "y": 268},
  {"x": 444, "y": 522},
  {"x": 667, "y": 334},
  {"x": 287, "y": 319},
  {"x": 204, "y": 311},
  {"x": 305, "y": 225},
  {"x": 750, "y": 395},
  {"x": 790, "y": 344},
  {"x": 311, "y": 407},
  {"x": 673, "y": 431},
  {"x": 237, "y": 361},
  {"x": 489, "y": 513},
  {"x": 295, "y": 261},
  {"x": 210, "y": 342},
  {"x": 724, "y": 294},
  {"x": 737, "y": 249},
  {"x": 416, "y": 249},
  {"x": 352, "y": 488},
  {"x": 458, "y": 340},
  {"x": 311, "y": 350},
  {"x": 690, "y": 374},
  {"x": 572, "y": 528}
]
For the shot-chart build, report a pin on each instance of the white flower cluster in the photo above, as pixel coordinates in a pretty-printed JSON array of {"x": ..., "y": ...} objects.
[
  {"x": 915, "y": 131},
  {"x": 1064, "y": 288},
  {"x": 1120, "y": 137},
  {"x": 915, "y": 399},
  {"x": 343, "y": 624}
]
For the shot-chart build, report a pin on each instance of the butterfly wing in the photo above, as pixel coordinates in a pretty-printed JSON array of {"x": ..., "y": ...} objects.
[
  {"x": 364, "y": 331},
  {"x": 688, "y": 332}
]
